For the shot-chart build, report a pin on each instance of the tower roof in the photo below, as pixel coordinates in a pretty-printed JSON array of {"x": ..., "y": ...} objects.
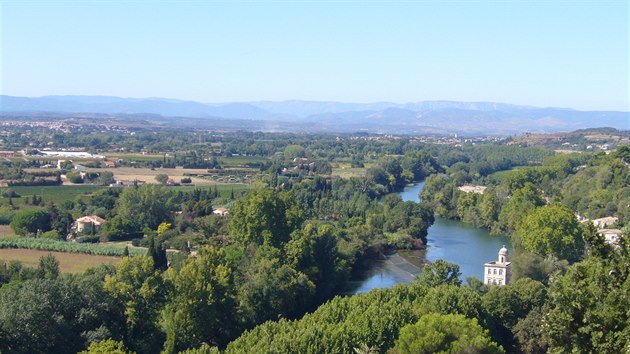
[{"x": 503, "y": 251}]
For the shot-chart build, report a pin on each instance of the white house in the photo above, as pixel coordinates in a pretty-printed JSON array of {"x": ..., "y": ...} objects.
[
  {"x": 612, "y": 236},
  {"x": 87, "y": 222},
  {"x": 498, "y": 272},
  {"x": 602, "y": 223},
  {"x": 221, "y": 211}
]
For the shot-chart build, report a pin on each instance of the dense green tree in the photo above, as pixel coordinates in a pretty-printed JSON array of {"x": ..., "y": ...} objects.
[
  {"x": 108, "y": 346},
  {"x": 200, "y": 208},
  {"x": 530, "y": 333},
  {"x": 377, "y": 175},
  {"x": 29, "y": 221},
  {"x": 48, "y": 267},
  {"x": 394, "y": 170},
  {"x": 440, "y": 192},
  {"x": 293, "y": 151},
  {"x": 54, "y": 315},
  {"x": 137, "y": 289},
  {"x": 507, "y": 305},
  {"x": 314, "y": 250},
  {"x": 452, "y": 299},
  {"x": 202, "y": 304},
  {"x": 623, "y": 153},
  {"x": 436, "y": 333},
  {"x": 273, "y": 290},
  {"x": 38, "y": 316},
  {"x": 530, "y": 265},
  {"x": 410, "y": 218},
  {"x": 211, "y": 225},
  {"x": 438, "y": 273},
  {"x": 60, "y": 220},
  {"x": 119, "y": 227},
  {"x": 338, "y": 326},
  {"x": 157, "y": 251},
  {"x": 599, "y": 189},
  {"x": 552, "y": 230},
  {"x": 75, "y": 177},
  {"x": 489, "y": 208},
  {"x": 589, "y": 308},
  {"x": 420, "y": 164},
  {"x": 148, "y": 205},
  {"x": 523, "y": 201},
  {"x": 161, "y": 178},
  {"x": 106, "y": 178},
  {"x": 265, "y": 217}
]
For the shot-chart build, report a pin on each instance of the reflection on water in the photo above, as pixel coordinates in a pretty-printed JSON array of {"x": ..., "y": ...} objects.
[
  {"x": 453, "y": 241},
  {"x": 456, "y": 242},
  {"x": 381, "y": 274}
]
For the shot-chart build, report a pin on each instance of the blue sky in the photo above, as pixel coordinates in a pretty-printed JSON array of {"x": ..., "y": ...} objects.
[{"x": 541, "y": 53}]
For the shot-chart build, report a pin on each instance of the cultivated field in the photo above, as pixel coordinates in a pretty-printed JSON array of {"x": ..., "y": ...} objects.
[
  {"x": 344, "y": 170},
  {"x": 55, "y": 194},
  {"x": 130, "y": 174},
  {"x": 68, "y": 262},
  {"x": 6, "y": 231}
]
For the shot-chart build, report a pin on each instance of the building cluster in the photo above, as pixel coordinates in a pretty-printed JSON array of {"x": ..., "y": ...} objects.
[
  {"x": 69, "y": 154},
  {"x": 605, "y": 228},
  {"x": 52, "y": 125},
  {"x": 472, "y": 189}
]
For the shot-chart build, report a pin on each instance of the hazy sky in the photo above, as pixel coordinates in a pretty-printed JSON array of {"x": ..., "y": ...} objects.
[{"x": 542, "y": 53}]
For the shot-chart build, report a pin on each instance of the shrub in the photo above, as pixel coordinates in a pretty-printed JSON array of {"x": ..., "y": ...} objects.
[{"x": 52, "y": 235}]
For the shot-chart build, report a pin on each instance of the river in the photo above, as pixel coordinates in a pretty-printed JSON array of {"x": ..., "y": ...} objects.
[{"x": 450, "y": 240}]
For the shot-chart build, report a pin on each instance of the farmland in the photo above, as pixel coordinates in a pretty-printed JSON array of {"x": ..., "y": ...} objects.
[
  {"x": 68, "y": 262},
  {"x": 344, "y": 170},
  {"x": 56, "y": 194},
  {"x": 6, "y": 231},
  {"x": 130, "y": 174}
]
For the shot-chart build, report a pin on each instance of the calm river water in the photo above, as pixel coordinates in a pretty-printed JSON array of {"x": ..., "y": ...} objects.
[{"x": 453, "y": 241}]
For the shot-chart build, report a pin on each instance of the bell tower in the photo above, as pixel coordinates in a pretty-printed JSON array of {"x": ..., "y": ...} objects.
[{"x": 503, "y": 255}]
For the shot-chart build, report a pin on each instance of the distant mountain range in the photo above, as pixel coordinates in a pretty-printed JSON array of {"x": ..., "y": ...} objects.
[{"x": 428, "y": 117}]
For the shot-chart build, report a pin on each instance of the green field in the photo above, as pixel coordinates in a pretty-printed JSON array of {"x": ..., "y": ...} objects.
[
  {"x": 344, "y": 170},
  {"x": 56, "y": 194},
  {"x": 240, "y": 161},
  {"x": 137, "y": 157},
  {"x": 499, "y": 176}
]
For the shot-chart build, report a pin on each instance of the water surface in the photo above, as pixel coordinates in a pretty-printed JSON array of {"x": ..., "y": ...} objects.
[{"x": 452, "y": 241}]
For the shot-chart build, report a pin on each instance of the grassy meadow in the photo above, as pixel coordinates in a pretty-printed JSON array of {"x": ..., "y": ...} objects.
[{"x": 68, "y": 262}]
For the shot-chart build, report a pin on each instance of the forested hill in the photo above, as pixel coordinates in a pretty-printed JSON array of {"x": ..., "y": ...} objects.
[{"x": 386, "y": 117}]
